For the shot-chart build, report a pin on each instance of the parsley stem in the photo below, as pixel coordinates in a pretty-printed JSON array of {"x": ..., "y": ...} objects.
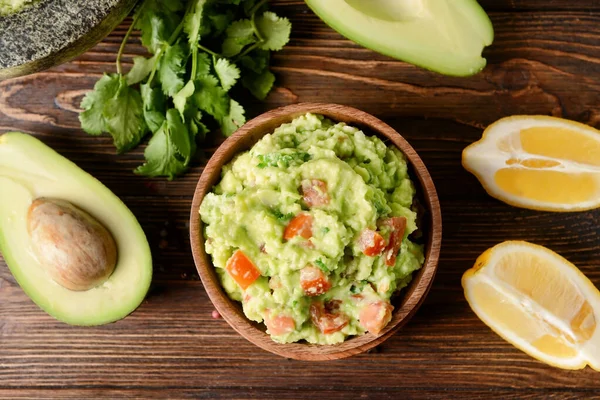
[
  {"x": 194, "y": 64},
  {"x": 257, "y": 7},
  {"x": 209, "y": 51},
  {"x": 175, "y": 33},
  {"x": 158, "y": 55},
  {"x": 253, "y": 20},
  {"x": 124, "y": 42},
  {"x": 249, "y": 49}
]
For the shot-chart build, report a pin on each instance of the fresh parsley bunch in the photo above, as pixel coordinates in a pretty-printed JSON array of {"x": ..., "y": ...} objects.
[{"x": 199, "y": 50}]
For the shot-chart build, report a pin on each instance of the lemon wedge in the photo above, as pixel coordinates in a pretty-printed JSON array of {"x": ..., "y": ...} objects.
[
  {"x": 538, "y": 162},
  {"x": 537, "y": 301}
]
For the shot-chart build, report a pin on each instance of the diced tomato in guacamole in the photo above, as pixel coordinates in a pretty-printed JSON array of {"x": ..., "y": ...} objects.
[
  {"x": 371, "y": 242},
  {"x": 313, "y": 281},
  {"x": 280, "y": 324},
  {"x": 242, "y": 270},
  {"x": 375, "y": 316},
  {"x": 300, "y": 225},
  {"x": 327, "y": 317},
  {"x": 398, "y": 226},
  {"x": 314, "y": 192}
]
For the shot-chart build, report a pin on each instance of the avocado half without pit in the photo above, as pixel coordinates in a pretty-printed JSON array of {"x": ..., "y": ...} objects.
[
  {"x": 445, "y": 36},
  {"x": 76, "y": 250}
]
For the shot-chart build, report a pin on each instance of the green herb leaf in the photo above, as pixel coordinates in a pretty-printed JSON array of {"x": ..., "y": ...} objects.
[
  {"x": 203, "y": 65},
  {"x": 281, "y": 217},
  {"x": 172, "y": 69},
  {"x": 319, "y": 263},
  {"x": 124, "y": 117},
  {"x": 180, "y": 100},
  {"x": 239, "y": 35},
  {"x": 257, "y": 61},
  {"x": 282, "y": 160},
  {"x": 259, "y": 84},
  {"x": 158, "y": 19},
  {"x": 196, "y": 127},
  {"x": 227, "y": 72},
  {"x": 380, "y": 206},
  {"x": 92, "y": 118},
  {"x": 184, "y": 76},
  {"x": 179, "y": 135},
  {"x": 274, "y": 30},
  {"x": 210, "y": 97},
  {"x": 234, "y": 120},
  {"x": 355, "y": 289},
  {"x": 154, "y": 103},
  {"x": 164, "y": 152},
  {"x": 220, "y": 22},
  {"x": 193, "y": 21},
  {"x": 142, "y": 67}
]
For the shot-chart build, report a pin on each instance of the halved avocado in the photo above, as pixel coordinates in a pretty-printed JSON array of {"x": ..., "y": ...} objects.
[
  {"x": 445, "y": 36},
  {"x": 30, "y": 170}
]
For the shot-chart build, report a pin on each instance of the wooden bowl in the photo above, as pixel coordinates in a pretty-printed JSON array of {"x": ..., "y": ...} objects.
[{"x": 410, "y": 298}]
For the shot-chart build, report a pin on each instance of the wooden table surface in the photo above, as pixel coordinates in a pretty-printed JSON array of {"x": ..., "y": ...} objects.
[{"x": 545, "y": 60}]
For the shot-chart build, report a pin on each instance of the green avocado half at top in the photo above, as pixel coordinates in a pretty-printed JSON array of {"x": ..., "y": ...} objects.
[
  {"x": 445, "y": 36},
  {"x": 31, "y": 237}
]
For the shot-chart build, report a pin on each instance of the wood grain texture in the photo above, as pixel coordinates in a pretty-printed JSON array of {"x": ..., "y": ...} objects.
[
  {"x": 545, "y": 59},
  {"x": 405, "y": 305}
]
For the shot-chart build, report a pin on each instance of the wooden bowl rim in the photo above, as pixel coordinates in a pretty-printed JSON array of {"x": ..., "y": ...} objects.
[{"x": 242, "y": 140}]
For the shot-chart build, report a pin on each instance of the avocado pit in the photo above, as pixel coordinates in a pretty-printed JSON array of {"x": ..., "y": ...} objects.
[{"x": 76, "y": 250}]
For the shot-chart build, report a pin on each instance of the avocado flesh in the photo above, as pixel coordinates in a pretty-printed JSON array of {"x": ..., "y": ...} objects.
[
  {"x": 445, "y": 36},
  {"x": 29, "y": 170}
]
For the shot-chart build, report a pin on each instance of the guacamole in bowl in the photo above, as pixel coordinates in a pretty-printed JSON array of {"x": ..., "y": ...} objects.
[{"x": 309, "y": 230}]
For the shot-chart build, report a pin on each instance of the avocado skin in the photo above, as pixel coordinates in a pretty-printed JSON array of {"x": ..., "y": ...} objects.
[
  {"x": 352, "y": 30},
  {"x": 124, "y": 290}
]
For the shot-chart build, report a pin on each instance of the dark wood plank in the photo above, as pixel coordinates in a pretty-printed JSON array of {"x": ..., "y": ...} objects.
[
  {"x": 255, "y": 392},
  {"x": 539, "y": 5},
  {"x": 545, "y": 61},
  {"x": 161, "y": 345}
]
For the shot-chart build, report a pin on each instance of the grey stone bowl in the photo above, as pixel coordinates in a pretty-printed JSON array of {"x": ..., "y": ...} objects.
[{"x": 52, "y": 32}]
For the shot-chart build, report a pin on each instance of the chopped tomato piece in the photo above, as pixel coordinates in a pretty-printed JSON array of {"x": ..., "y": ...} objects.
[
  {"x": 398, "y": 226},
  {"x": 375, "y": 316},
  {"x": 313, "y": 281},
  {"x": 300, "y": 225},
  {"x": 314, "y": 192},
  {"x": 280, "y": 324},
  {"x": 371, "y": 242},
  {"x": 241, "y": 269},
  {"x": 327, "y": 317}
]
